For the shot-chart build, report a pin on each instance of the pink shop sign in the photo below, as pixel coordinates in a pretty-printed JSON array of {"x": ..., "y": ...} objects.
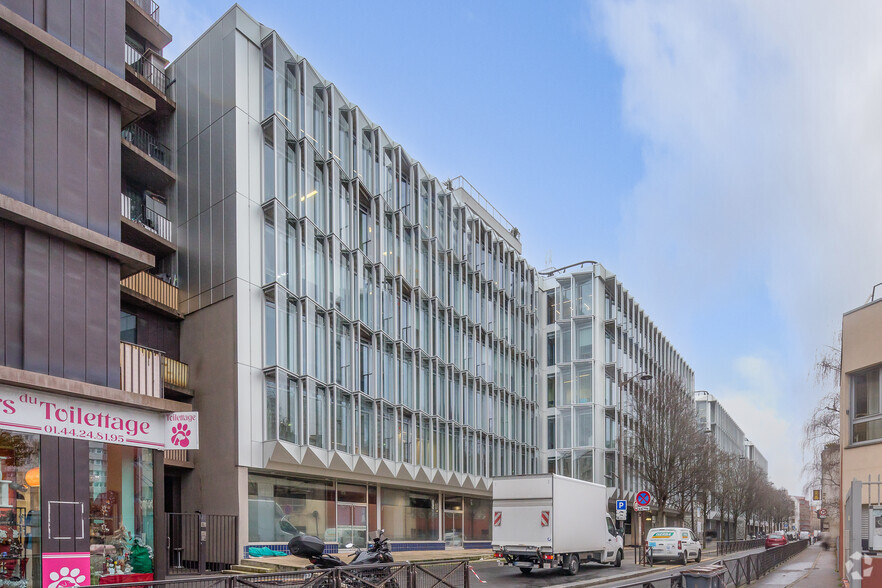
[{"x": 65, "y": 570}]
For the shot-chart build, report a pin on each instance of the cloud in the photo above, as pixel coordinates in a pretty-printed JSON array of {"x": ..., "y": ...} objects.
[
  {"x": 751, "y": 402},
  {"x": 759, "y": 124}
]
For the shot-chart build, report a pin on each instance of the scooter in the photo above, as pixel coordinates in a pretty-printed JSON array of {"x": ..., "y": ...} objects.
[{"x": 313, "y": 548}]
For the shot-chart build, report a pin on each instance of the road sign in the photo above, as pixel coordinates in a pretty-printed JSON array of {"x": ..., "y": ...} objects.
[
  {"x": 644, "y": 498},
  {"x": 822, "y": 513},
  {"x": 816, "y": 494},
  {"x": 621, "y": 505},
  {"x": 621, "y": 515}
]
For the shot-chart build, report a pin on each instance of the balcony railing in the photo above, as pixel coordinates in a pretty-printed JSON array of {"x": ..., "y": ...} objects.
[
  {"x": 177, "y": 456},
  {"x": 150, "y": 7},
  {"x": 146, "y": 142},
  {"x": 134, "y": 210},
  {"x": 154, "y": 288},
  {"x": 146, "y": 68},
  {"x": 175, "y": 373},
  {"x": 140, "y": 369}
]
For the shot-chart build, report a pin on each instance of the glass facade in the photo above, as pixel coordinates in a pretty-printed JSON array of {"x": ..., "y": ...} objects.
[
  {"x": 347, "y": 511},
  {"x": 590, "y": 355},
  {"x": 398, "y": 322}
]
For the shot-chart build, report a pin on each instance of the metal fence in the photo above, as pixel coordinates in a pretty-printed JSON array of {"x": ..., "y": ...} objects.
[
  {"x": 436, "y": 574},
  {"x": 739, "y": 571},
  {"x": 146, "y": 68},
  {"x": 200, "y": 543},
  {"x": 146, "y": 142},
  {"x": 150, "y": 7},
  {"x": 724, "y": 547}
]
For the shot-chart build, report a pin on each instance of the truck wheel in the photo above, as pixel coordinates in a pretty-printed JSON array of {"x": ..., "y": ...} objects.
[
  {"x": 525, "y": 571},
  {"x": 698, "y": 557},
  {"x": 618, "y": 563},
  {"x": 684, "y": 559},
  {"x": 571, "y": 564}
]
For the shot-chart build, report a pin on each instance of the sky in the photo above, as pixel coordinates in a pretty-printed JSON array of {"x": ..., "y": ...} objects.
[{"x": 718, "y": 157}]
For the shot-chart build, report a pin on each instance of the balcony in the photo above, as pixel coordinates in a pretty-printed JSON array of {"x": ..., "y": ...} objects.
[
  {"x": 146, "y": 71},
  {"x": 144, "y": 228},
  {"x": 143, "y": 17},
  {"x": 149, "y": 372},
  {"x": 178, "y": 458},
  {"x": 140, "y": 369},
  {"x": 152, "y": 290},
  {"x": 144, "y": 157},
  {"x": 175, "y": 373}
]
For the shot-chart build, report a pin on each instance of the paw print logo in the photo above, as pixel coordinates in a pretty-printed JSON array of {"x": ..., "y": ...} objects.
[
  {"x": 180, "y": 436},
  {"x": 67, "y": 578}
]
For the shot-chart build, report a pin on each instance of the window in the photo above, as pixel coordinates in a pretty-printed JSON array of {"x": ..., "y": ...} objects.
[
  {"x": 128, "y": 327},
  {"x": 120, "y": 501},
  {"x": 549, "y": 353},
  {"x": 583, "y": 339},
  {"x": 271, "y": 499},
  {"x": 20, "y": 457},
  {"x": 289, "y": 400},
  {"x": 866, "y": 406},
  {"x": 317, "y": 412}
]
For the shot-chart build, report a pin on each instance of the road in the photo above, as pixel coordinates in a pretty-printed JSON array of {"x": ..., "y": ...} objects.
[{"x": 595, "y": 574}]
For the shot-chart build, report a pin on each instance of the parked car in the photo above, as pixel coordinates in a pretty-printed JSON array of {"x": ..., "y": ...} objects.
[
  {"x": 775, "y": 540},
  {"x": 804, "y": 535},
  {"x": 673, "y": 543}
]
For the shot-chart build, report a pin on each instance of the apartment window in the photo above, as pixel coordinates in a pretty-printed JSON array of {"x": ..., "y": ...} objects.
[
  {"x": 866, "y": 403},
  {"x": 549, "y": 353},
  {"x": 128, "y": 327},
  {"x": 583, "y": 302}
]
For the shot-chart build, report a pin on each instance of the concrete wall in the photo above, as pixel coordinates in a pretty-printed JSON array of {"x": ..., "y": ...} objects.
[
  {"x": 212, "y": 486},
  {"x": 59, "y": 303},
  {"x": 861, "y": 348}
]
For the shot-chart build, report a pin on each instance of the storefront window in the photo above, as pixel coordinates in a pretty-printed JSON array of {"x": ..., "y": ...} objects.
[
  {"x": 477, "y": 519},
  {"x": 20, "y": 521},
  {"x": 409, "y": 516},
  {"x": 120, "y": 509},
  {"x": 307, "y": 505}
]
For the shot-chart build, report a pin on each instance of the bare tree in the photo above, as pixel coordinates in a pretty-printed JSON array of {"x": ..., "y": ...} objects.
[
  {"x": 665, "y": 436},
  {"x": 821, "y": 431}
]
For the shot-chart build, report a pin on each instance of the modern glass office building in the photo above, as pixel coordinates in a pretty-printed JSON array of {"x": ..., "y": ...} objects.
[
  {"x": 596, "y": 345},
  {"x": 373, "y": 327}
]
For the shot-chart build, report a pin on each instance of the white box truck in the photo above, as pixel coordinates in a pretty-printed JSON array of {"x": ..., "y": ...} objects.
[{"x": 545, "y": 520}]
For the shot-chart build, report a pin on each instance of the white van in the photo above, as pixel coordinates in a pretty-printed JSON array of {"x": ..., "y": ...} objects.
[{"x": 674, "y": 543}]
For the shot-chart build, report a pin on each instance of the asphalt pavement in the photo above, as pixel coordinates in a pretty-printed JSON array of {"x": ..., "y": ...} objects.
[{"x": 589, "y": 575}]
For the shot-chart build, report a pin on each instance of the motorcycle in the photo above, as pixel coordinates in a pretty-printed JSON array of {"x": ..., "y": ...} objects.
[{"x": 378, "y": 552}]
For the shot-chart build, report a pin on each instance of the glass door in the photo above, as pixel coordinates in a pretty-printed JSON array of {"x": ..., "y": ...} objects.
[
  {"x": 351, "y": 524},
  {"x": 453, "y": 521},
  {"x": 452, "y": 528}
]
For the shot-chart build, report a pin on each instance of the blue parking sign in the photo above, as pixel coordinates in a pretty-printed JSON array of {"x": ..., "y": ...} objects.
[{"x": 621, "y": 505}]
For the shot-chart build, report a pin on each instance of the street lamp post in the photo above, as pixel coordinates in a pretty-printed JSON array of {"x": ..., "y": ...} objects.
[{"x": 645, "y": 377}]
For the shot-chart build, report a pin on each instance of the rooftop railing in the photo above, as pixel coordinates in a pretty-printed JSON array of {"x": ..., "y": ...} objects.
[{"x": 464, "y": 184}]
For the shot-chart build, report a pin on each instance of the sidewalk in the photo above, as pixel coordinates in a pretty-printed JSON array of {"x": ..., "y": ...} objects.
[
  {"x": 813, "y": 568},
  {"x": 290, "y": 562}
]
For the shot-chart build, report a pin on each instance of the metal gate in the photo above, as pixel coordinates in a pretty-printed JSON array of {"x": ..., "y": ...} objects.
[{"x": 200, "y": 543}]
